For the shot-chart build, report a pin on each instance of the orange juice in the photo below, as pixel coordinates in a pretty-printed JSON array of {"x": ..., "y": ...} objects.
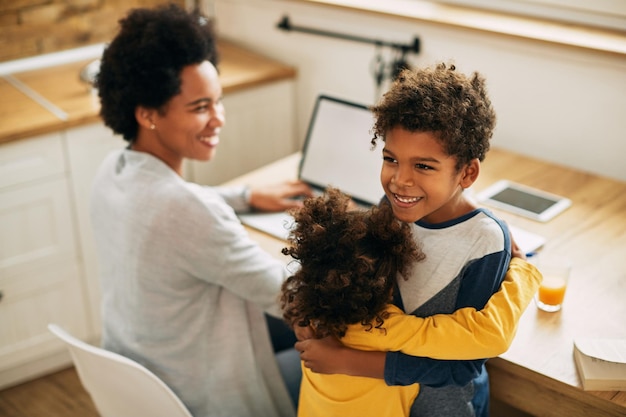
[{"x": 552, "y": 290}]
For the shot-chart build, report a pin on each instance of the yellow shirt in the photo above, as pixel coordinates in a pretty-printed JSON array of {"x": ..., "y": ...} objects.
[{"x": 465, "y": 334}]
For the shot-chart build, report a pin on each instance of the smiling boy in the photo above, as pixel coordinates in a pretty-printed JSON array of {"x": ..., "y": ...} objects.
[{"x": 436, "y": 124}]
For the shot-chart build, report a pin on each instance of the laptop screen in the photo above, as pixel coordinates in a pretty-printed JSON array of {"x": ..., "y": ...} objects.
[{"x": 337, "y": 151}]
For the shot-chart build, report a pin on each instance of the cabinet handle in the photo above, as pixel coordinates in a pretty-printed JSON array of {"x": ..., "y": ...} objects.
[{"x": 1, "y": 295}]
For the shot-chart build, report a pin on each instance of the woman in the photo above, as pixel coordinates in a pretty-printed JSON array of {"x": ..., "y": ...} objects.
[{"x": 184, "y": 289}]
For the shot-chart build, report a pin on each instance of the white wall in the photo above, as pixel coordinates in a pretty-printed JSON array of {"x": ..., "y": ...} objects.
[{"x": 561, "y": 104}]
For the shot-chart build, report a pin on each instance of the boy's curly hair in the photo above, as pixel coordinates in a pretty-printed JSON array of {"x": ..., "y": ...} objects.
[
  {"x": 349, "y": 261},
  {"x": 142, "y": 65},
  {"x": 441, "y": 100}
]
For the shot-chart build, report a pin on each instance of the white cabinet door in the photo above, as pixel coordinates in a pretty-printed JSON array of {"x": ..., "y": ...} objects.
[
  {"x": 40, "y": 278},
  {"x": 27, "y": 160},
  {"x": 36, "y": 224}
]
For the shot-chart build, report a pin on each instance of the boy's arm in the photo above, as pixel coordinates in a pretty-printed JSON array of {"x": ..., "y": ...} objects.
[
  {"x": 329, "y": 356},
  {"x": 324, "y": 356},
  {"x": 466, "y": 333}
]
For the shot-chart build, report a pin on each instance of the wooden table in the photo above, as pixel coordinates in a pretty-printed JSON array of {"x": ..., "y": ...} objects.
[{"x": 537, "y": 374}]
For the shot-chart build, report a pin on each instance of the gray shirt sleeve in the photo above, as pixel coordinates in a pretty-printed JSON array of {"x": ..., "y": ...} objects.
[{"x": 238, "y": 197}]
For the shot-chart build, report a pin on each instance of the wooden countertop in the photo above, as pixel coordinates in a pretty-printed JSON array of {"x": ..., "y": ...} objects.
[
  {"x": 592, "y": 234},
  {"x": 20, "y": 115},
  {"x": 538, "y": 374},
  {"x": 75, "y": 104}
]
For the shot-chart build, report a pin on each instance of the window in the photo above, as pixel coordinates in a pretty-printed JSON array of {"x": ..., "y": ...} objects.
[{"x": 609, "y": 14}]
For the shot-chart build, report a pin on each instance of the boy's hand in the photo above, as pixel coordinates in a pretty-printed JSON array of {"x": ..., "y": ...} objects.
[{"x": 516, "y": 251}]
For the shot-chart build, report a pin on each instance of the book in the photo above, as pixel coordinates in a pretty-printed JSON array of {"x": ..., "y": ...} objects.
[{"x": 601, "y": 363}]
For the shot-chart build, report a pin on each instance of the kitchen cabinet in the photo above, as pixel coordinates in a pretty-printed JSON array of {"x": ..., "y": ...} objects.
[{"x": 40, "y": 264}]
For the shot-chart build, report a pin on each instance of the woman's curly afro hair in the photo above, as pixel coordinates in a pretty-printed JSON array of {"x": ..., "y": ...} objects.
[
  {"x": 349, "y": 261},
  {"x": 439, "y": 99},
  {"x": 142, "y": 65}
]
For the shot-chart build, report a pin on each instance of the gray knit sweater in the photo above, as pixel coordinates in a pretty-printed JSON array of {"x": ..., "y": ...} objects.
[{"x": 184, "y": 288}]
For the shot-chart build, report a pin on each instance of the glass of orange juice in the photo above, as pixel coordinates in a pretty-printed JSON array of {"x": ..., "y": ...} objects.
[{"x": 551, "y": 292}]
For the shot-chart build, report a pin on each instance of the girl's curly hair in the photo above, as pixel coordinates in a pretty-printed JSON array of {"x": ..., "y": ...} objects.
[
  {"x": 349, "y": 261},
  {"x": 142, "y": 65},
  {"x": 441, "y": 100}
]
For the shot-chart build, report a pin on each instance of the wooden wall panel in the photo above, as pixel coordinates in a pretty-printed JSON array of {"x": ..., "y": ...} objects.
[{"x": 34, "y": 27}]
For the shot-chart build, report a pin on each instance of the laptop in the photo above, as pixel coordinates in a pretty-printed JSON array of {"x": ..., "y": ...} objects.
[{"x": 336, "y": 153}]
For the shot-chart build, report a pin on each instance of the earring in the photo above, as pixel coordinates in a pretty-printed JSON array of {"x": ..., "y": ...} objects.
[{"x": 152, "y": 126}]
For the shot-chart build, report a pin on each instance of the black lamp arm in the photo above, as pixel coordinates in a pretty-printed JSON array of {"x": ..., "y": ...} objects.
[{"x": 285, "y": 24}]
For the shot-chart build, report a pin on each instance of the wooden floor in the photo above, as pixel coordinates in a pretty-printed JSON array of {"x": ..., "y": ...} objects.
[
  {"x": 61, "y": 395},
  {"x": 56, "y": 395}
]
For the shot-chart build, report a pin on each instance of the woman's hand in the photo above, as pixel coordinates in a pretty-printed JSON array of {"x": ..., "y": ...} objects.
[{"x": 279, "y": 197}]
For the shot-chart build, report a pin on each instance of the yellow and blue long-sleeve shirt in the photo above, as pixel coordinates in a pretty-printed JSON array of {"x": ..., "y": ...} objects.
[
  {"x": 466, "y": 334},
  {"x": 466, "y": 259}
]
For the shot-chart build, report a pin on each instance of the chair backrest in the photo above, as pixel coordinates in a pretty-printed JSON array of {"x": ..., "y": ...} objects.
[{"x": 119, "y": 386}]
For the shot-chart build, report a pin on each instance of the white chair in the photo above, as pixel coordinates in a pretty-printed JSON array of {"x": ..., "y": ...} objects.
[{"x": 119, "y": 386}]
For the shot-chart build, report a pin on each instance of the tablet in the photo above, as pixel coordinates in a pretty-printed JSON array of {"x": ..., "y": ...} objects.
[{"x": 523, "y": 200}]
